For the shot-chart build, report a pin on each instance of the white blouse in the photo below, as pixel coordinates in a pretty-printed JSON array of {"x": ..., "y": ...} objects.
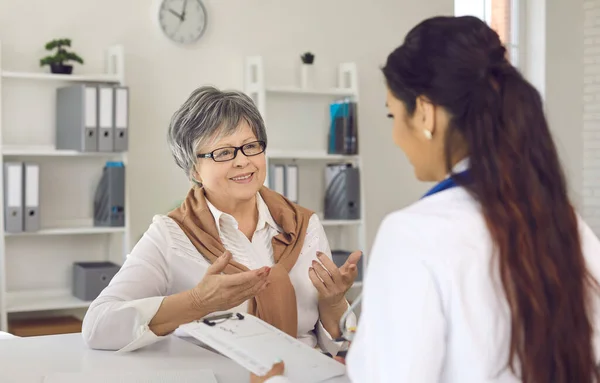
[{"x": 165, "y": 262}]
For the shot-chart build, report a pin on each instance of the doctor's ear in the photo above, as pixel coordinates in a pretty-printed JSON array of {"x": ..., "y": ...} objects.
[{"x": 425, "y": 116}]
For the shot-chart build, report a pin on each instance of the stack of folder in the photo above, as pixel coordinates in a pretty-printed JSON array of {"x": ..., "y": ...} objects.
[
  {"x": 92, "y": 118},
  {"x": 343, "y": 131},
  {"x": 284, "y": 180},
  {"x": 21, "y": 197}
]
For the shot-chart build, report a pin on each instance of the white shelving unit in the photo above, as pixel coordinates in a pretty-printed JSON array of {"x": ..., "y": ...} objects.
[
  {"x": 35, "y": 267},
  {"x": 311, "y": 155},
  {"x": 42, "y": 300},
  {"x": 336, "y": 92},
  {"x": 108, "y": 78},
  {"x": 297, "y": 121},
  {"x": 47, "y": 151},
  {"x": 70, "y": 231}
]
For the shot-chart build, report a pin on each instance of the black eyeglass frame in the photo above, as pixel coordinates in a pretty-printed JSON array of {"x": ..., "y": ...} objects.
[{"x": 235, "y": 151}]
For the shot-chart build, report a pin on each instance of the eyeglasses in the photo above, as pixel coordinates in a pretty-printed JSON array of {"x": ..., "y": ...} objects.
[{"x": 229, "y": 153}]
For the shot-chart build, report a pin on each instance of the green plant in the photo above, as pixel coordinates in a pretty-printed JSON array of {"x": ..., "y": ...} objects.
[{"x": 62, "y": 55}]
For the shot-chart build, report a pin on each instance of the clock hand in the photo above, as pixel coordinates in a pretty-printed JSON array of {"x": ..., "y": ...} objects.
[
  {"x": 180, "y": 17},
  {"x": 183, "y": 12}
]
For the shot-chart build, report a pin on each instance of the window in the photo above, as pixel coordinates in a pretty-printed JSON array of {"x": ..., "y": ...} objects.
[{"x": 502, "y": 15}]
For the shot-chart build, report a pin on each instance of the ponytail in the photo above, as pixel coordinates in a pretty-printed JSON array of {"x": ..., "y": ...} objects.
[{"x": 517, "y": 179}]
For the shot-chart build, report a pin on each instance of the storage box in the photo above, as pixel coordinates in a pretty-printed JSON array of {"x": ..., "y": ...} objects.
[
  {"x": 340, "y": 257},
  {"x": 90, "y": 278}
]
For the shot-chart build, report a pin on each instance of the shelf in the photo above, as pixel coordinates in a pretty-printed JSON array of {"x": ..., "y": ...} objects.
[
  {"x": 50, "y": 151},
  {"x": 308, "y": 155},
  {"x": 110, "y": 78},
  {"x": 314, "y": 92},
  {"x": 341, "y": 222},
  {"x": 69, "y": 231},
  {"x": 41, "y": 300}
]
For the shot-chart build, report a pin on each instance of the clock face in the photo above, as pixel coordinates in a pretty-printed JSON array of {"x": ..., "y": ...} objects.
[{"x": 183, "y": 21}]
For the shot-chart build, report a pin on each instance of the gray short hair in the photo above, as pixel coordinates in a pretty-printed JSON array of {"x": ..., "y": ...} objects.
[{"x": 210, "y": 114}]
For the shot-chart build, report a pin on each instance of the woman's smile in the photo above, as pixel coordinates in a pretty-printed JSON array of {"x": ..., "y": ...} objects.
[{"x": 245, "y": 178}]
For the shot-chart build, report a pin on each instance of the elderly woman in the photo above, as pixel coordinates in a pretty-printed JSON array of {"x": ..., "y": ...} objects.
[{"x": 233, "y": 244}]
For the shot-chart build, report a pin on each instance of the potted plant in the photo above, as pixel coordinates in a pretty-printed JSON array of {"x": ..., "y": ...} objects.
[
  {"x": 308, "y": 58},
  {"x": 58, "y": 59},
  {"x": 306, "y": 70}
]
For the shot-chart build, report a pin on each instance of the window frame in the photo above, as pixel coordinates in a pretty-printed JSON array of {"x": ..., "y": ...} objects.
[
  {"x": 515, "y": 45},
  {"x": 483, "y": 10}
]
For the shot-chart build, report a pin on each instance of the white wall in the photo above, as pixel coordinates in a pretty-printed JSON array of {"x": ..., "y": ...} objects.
[
  {"x": 563, "y": 86},
  {"x": 563, "y": 62},
  {"x": 533, "y": 25},
  {"x": 591, "y": 116},
  {"x": 162, "y": 75}
]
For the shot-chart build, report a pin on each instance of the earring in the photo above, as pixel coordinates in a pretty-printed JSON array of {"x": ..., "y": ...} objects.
[
  {"x": 198, "y": 183},
  {"x": 428, "y": 134}
]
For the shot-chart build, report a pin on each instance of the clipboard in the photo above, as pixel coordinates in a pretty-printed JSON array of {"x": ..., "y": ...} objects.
[{"x": 256, "y": 345}]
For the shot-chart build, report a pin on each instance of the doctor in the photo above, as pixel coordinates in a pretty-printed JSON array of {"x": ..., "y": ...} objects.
[{"x": 491, "y": 277}]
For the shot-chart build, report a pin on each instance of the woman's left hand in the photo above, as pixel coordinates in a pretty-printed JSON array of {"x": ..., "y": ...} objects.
[{"x": 332, "y": 282}]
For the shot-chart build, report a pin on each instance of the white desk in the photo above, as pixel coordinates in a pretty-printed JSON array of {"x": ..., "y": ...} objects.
[{"x": 67, "y": 353}]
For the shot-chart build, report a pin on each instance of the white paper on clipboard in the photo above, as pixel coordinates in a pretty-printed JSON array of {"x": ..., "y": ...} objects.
[{"x": 256, "y": 345}]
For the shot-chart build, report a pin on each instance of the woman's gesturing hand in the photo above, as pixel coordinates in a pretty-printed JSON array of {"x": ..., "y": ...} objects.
[
  {"x": 215, "y": 292},
  {"x": 332, "y": 282},
  {"x": 220, "y": 292}
]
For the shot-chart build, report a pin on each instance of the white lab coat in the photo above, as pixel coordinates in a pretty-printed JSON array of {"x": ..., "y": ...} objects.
[{"x": 433, "y": 308}]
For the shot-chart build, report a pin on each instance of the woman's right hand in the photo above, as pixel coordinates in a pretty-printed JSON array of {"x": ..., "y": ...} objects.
[{"x": 221, "y": 292}]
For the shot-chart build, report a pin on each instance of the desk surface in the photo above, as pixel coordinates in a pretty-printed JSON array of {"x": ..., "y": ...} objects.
[
  {"x": 68, "y": 353},
  {"x": 35, "y": 356}
]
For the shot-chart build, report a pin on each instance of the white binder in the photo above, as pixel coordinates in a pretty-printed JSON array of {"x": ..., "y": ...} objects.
[
  {"x": 291, "y": 182},
  {"x": 90, "y": 139},
  {"x": 277, "y": 179},
  {"x": 13, "y": 197},
  {"x": 121, "y": 122},
  {"x": 106, "y": 118},
  {"x": 32, "y": 197}
]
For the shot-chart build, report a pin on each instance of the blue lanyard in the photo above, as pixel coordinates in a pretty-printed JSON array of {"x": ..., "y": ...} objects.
[{"x": 446, "y": 184}]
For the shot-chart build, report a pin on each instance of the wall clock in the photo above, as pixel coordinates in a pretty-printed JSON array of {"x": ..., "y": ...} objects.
[{"x": 182, "y": 21}]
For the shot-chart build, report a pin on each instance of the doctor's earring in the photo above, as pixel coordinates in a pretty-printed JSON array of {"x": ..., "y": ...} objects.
[{"x": 427, "y": 134}]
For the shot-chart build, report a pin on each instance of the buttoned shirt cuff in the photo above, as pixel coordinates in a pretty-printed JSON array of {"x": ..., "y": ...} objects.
[
  {"x": 325, "y": 340},
  {"x": 146, "y": 309}
]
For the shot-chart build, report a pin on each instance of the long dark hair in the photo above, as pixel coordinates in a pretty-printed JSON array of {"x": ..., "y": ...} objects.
[{"x": 460, "y": 64}]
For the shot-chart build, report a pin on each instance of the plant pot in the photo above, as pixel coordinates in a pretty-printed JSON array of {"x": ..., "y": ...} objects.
[
  {"x": 307, "y": 75},
  {"x": 61, "y": 68}
]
